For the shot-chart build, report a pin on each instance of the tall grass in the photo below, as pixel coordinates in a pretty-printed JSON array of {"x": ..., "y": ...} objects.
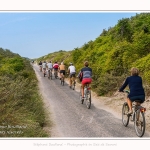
[{"x": 22, "y": 110}]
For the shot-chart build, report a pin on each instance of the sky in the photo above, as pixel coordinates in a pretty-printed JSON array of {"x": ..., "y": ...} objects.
[{"x": 35, "y": 34}]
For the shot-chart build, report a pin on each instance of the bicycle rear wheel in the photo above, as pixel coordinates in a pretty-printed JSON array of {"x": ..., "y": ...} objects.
[
  {"x": 55, "y": 74},
  {"x": 139, "y": 123},
  {"x": 50, "y": 75},
  {"x": 63, "y": 81},
  {"x": 88, "y": 99},
  {"x": 125, "y": 117},
  {"x": 73, "y": 85}
]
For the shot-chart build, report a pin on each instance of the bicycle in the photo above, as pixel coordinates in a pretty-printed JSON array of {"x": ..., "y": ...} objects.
[
  {"x": 44, "y": 72},
  {"x": 40, "y": 68},
  {"x": 87, "y": 96},
  {"x": 50, "y": 74},
  {"x": 138, "y": 116},
  {"x": 62, "y": 80},
  {"x": 73, "y": 82},
  {"x": 56, "y": 73}
]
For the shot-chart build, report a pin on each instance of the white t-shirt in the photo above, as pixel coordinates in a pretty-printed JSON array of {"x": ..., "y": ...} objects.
[
  {"x": 50, "y": 65},
  {"x": 44, "y": 65},
  {"x": 72, "y": 69}
]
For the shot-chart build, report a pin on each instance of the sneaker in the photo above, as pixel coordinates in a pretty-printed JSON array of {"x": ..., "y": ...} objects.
[
  {"x": 130, "y": 112},
  {"x": 82, "y": 99}
]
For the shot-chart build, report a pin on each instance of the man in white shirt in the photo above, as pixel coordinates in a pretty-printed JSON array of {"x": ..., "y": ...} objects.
[
  {"x": 50, "y": 65},
  {"x": 44, "y": 67},
  {"x": 50, "y": 68},
  {"x": 72, "y": 72}
]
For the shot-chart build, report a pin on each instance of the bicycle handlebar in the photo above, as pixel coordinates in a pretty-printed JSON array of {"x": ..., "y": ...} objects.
[{"x": 127, "y": 91}]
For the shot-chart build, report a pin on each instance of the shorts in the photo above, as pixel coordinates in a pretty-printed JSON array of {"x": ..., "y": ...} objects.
[
  {"x": 139, "y": 97},
  {"x": 50, "y": 69},
  {"x": 72, "y": 75},
  {"x": 55, "y": 69},
  {"x": 86, "y": 81},
  {"x": 62, "y": 71}
]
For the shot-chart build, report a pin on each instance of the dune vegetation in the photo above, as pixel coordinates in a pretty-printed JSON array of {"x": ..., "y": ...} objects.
[{"x": 21, "y": 107}]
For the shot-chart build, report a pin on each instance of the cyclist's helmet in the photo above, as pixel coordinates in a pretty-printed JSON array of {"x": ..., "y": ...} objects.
[{"x": 71, "y": 63}]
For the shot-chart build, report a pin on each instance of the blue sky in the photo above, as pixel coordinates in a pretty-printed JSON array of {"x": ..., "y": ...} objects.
[{"x": 35, "y": 34}]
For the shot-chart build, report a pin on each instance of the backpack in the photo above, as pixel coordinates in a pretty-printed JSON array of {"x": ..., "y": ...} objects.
[{"x": 81, "y": 76}]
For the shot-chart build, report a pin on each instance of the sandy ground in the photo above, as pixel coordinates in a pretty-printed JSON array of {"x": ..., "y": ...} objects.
[{"x": 114, "y": 104}]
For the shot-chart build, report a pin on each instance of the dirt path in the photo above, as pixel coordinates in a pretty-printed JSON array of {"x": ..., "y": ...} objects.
[{"x": 110, "y": 106}]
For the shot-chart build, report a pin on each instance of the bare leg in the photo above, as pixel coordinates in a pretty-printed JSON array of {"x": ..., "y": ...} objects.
[
  {"x": 73, "y": 79},
  {"x": 129, "y": 104},
  {"x": 82, "y": 90},
  {"x": 70, "y": 81}
]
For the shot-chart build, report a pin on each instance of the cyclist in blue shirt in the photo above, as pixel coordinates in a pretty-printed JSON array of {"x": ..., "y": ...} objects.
[{"x": 136, "y": 88}]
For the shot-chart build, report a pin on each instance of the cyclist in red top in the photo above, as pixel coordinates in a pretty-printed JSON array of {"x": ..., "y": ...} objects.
[{"x": 55, "y": 66}]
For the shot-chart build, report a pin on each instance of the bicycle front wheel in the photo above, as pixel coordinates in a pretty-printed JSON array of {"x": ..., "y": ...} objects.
[
  {"x": 88, "y": 99},
  {"x": 125, "y": 117},
  {"x": 139, "y": 123},
  {"x": 80, "y": 96}
]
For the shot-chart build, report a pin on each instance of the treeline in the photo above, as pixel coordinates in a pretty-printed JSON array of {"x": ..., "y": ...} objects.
[
  {"x": 21, "y": 107},
  {"x": 113, "y": 53}
]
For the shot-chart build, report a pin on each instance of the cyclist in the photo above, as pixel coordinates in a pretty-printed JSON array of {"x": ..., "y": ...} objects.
[
  {"x": 86, "y": 74},
  {"x": 40, "y": 64},
  {"x": 72, "y": 72},
  {"x": 50, "y": 67},
  {"x": 44, "y": 66},
  {"x": 136, "y": 88},
  {"x": 61, "y": 69},
  {"x": 55, "y": 66}
]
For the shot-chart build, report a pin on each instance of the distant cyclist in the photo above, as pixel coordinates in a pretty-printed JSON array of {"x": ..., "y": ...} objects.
[
  {"x": 62, "y": 70},
  {"x": 55, "y": 67},
  {"x": 50, "y": 66},
  {"x": 135, "y": 84},
  {"x": 40, "y": 65},
  {"x": 44, "y": 66},
  {"x": 72, "y": 73},
  {"x": 86, "y": 75}
]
